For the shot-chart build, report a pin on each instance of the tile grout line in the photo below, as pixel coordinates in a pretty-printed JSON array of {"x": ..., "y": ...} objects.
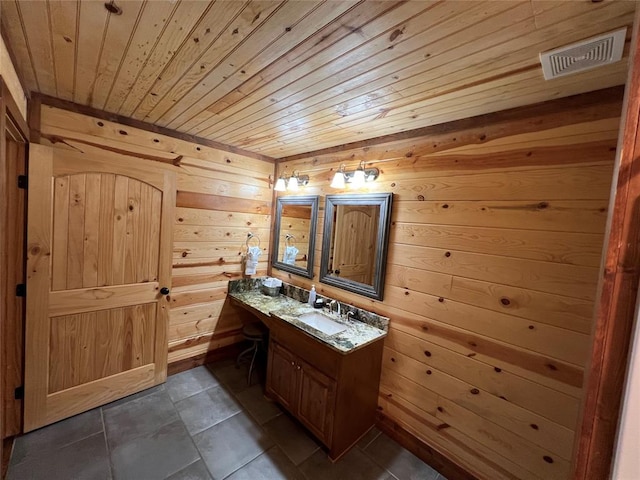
[
  {"x": 106, "y": 443},
  {"x": 190, "y": 438},
  {"x": 373, "y": 459},
  {"x": 235, "y": 394},
  {"x": 187, "y": 466},
  {"x": 135, "y": 396},
  {"x": 217, "y": 423},
  {"x": 158, "y": 427},
  {"x": 196, "y": 445},
  {"x": 194, "y": 394},
  {"x": 244, "y": 465},
  {"x": 262, "y": 426},
  {"x": 371, "y": 441},
  {"x": 64, "y": 445},
  {"x": 200, "y": 458},
  {"x": 219, "y": 385}
]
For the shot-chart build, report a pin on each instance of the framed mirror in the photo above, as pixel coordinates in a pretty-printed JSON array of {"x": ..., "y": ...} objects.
[
  {"x": 354, "y": 243},
  {"x": 295, "y": 234}
]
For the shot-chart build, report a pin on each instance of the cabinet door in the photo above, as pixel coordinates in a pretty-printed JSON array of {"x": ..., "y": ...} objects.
[
  {"x": 282, "y": 376},
  {"x": 317, "y": 400}
]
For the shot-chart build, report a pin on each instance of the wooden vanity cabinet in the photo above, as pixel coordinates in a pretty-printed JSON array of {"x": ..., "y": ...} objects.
[
  {"x": 303, "y": 390},
  {"x": 334, "y": 395}
]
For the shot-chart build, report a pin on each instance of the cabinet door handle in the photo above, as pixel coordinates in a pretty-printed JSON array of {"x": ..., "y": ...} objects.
[
  {"x": 292, "y": 363},
  {"x": 298, "y": 367}
]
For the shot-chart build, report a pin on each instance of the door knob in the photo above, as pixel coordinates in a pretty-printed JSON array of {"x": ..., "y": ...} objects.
[{"x": 164, "y": 291}]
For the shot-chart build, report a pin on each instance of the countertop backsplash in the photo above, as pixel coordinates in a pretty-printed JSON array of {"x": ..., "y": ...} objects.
[{"x": 302, "y": 295}]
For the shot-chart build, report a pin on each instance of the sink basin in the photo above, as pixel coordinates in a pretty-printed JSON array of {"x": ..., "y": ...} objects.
[{"x": 322, "y": 323}]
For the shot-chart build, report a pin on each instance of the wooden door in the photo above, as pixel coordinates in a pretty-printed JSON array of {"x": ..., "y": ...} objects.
[
  {"x": 98, "y": 257},
  {"x": 317, "y": 398},
  {"x": 356, "y": 235}
]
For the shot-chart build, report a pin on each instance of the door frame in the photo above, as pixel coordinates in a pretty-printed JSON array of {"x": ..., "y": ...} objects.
[{"x": 11, "y": 122}]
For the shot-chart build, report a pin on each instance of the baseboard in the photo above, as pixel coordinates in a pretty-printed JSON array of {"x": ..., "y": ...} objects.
[
  {"x": 224, "y": 353},
  {"x": 449, "y": 469}
]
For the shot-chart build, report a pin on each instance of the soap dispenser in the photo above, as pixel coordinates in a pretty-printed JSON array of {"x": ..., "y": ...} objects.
[{"x": 312, "y": 295}]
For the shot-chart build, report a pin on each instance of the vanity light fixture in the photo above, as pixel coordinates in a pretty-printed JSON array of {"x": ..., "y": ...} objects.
[
  {"x": 292, "y": 184},
  {"x": 356, "y": 178}
]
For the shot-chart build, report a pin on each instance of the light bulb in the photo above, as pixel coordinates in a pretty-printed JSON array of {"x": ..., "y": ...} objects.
[
  {"x": 280, "y": 186},
  {"x": 293, "y": 183},
  {"x": 358, "y": 178},
  {"x": 338, "y": 180}
]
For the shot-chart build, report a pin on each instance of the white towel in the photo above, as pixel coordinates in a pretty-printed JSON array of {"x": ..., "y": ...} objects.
[
  {"x": 289, "y": 256},
  {"x": 252, "y": 260},
  {"x": 272, "y": 282}
]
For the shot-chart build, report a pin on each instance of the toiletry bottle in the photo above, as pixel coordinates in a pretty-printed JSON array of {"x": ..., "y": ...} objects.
[{"x": 312, "y": 295}]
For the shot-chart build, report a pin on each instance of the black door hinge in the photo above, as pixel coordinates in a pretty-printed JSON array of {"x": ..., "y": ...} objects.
[
  {"x": 23, "y": 181},
  {"x": 21, "y": 290},
  {"x": 18, "y": 393}
]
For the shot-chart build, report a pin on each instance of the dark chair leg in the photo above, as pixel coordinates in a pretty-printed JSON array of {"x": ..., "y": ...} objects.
[
  {"x": 243, "y": 353},
  {"x": 253, "y": 359}
]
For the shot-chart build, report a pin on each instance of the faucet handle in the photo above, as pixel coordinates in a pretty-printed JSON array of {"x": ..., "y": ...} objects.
[
  {"x": 337, "y": 303},
  {"x": 331, "y": 304}
]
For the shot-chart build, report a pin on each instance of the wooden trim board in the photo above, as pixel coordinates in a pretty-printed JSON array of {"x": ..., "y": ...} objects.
[
  {"x": 14, "y": 60},
  {"x": 4, "y": 253},
  {"x": 11, "y": 125},
  {"x": 11, "y": 108},
  {"x": 112, "y": 117},
  {"x": 617, "y": 292}
]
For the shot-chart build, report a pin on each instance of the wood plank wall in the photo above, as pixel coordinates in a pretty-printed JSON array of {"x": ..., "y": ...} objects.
[
  {"x": 221, "y": 197},
  {"x": 496, "y": 238}
]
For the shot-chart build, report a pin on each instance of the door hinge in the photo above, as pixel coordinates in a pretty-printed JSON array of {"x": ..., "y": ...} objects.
[
  {"x": 23, "y": 181},
  {"x": 21, "y": 290},
  {"x": 18, "y": 393}
]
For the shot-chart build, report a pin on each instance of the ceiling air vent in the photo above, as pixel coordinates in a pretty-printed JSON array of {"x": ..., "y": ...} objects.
[{"x": 586, "y": 54}]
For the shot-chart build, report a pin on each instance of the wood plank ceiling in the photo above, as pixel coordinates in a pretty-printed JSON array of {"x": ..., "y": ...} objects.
[{"x": 286, "y": 77}]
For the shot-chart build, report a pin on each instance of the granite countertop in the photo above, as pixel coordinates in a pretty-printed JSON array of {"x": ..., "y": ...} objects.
[{"x": 357, "y": 335}]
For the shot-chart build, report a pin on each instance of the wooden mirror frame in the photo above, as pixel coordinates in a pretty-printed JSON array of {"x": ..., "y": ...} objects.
[
  {"x": 313, "y": 202},
  {"x": 383, "y": 200}
]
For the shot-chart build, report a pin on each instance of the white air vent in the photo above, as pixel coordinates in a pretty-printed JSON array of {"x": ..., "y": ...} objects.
[{"x": 589, "y": 53}]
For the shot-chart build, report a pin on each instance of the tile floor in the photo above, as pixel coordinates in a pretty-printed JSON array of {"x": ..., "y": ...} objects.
[{"x": 203, "y": 423}]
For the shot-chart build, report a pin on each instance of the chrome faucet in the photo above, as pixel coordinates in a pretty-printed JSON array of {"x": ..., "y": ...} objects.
[{"x": 331, "y": 304}]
